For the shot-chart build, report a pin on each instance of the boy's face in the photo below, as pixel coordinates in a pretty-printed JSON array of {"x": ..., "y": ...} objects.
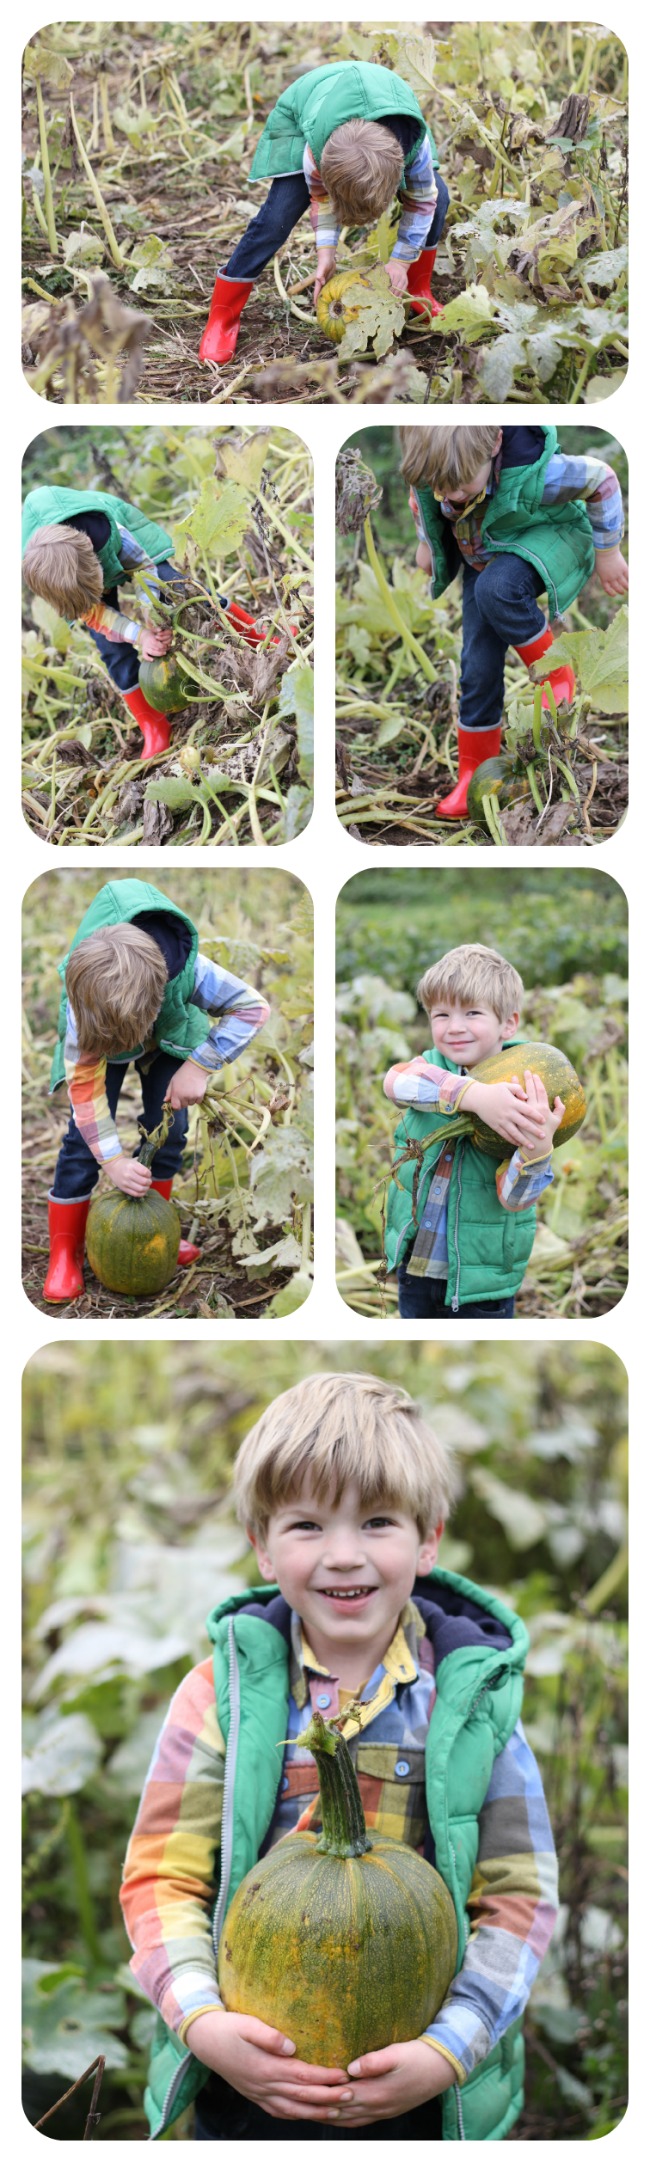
[
  {"x": 466, "y": 491},
  {"x": 466, "y": 1034},
  {"x": 347, "y": 1571}
]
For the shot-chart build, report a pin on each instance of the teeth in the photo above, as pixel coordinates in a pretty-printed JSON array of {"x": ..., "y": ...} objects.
[{"x": 363, "y": 1589}]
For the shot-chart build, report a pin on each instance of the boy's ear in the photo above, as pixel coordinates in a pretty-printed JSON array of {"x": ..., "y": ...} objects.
[
  {"x": 428, "y": 1553},
  {"x": 264, "y": 1562},
  {"x": 511, "y": 1024}
]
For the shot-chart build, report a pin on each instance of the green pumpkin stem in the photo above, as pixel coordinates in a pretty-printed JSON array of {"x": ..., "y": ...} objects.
[
  {"x": 344, "y": 1826},
  {"x": 153, "y": 1142}
]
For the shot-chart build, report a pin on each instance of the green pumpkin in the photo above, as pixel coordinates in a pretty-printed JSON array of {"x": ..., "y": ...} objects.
[
  {"x": 163, "y": 685},
  {"x": 496, "y": 777},
  {"x": 132, "y": 1245},
  {"x": 559, "y": 1078},
  {"x": 345, "y": 1940}
]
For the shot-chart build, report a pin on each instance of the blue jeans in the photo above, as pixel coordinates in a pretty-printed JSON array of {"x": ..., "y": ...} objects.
[
  {"x": 500, "y": 609},
  {"x": 221, "y": 2113},
  {"x": 286, "y": 203},
  {"x": 422, "y": 1298},
  {"x": 77, "y": 1170},
  {"x": 123, "y": 662}
]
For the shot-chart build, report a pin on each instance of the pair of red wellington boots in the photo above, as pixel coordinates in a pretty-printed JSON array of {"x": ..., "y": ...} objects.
[
  {"x": 477, "y": 744},
  {"x": 67, "y": 1229},
  {"x": 155, "y": 726},
  {"x": 231, "y": 294}
]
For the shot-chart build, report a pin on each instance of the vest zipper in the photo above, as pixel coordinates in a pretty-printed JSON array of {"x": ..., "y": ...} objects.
[
  {"x": 456, "y": 1301},
  {"x": 226, "y": 1851}
]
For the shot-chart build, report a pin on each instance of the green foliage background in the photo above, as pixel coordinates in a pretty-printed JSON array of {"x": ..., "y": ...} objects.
[
  {"x": 567, "y": 936},
  {"x": 130, "y": 1539}
]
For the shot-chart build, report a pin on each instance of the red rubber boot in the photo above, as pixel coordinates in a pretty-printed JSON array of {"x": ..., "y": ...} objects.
[
  {"x": 67, "y": 1229},
  {"x": 155, "y": 726},
  {"x": 419, "y": 282},
  {"x": 562, "y": 680},
  {"x": 222, "y": 328},
  {"x": 186, "y": 1252},
  {"x": 246, "y": 624},
  {"x": 474, "y": 745}
]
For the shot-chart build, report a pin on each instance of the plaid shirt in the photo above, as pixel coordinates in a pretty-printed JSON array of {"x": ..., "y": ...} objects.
[
  {"x": 518, "y": 1183},
  {"x": 241, "y": 1013},
  {"x": 121, "y": 630},
  {"x": 417, "y": 199},
  {"x": 567, "y": 480},
  {"x": 169, "y": 1876}
]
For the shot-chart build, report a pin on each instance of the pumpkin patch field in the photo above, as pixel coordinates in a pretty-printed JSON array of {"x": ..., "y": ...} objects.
[
  {"x": 562, "y": 777},
  {"x": 573, "y": 964},
  {"x": 238, "y": 505},
  {"x": 130, "y": 1540},
  {"x": 244, "y": 1193},
  {"x": 138, "y": 140}
]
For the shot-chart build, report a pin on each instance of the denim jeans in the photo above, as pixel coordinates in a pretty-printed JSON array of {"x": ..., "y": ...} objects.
[
  {"x": 123, "y": 662},
  {"x": 286, "y": 203},
  {"x": 77, "y": 1170},
  {"x": 500, "y": 609},
  {"x": 422, "y": 1298},
  {"x": 221, "y": 2113}
]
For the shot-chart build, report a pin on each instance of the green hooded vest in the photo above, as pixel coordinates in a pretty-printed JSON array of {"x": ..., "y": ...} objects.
[
  {"x": 310, "y": 109},
  {"x": 54, "y": 506},
  {"x": 180, "y": 1026},
  {"x": 488, "y": 1247},
  {"x": 477, "y": 1706},
  {"x": 555, "y": 538}
]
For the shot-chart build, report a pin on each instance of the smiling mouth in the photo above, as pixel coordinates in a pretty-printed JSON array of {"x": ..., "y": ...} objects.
[{"x": 362, "y": 1591}]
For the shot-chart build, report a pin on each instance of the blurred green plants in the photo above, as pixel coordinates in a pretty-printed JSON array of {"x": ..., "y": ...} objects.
[{"x": 130, "y": 1539}]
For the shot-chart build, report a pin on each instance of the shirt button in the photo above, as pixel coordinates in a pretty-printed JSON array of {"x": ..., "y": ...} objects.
[
  {"x": 402, "y": 1769},
  {"x": 285, "y": 1784},
  {"x": 323, "y": 1702}
]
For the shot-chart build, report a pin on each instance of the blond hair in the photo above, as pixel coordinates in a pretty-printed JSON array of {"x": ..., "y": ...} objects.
[
  {"x": 336, "y": 1430},
  {"x": 115, "y": 981},
  {"x": 361, "y": 166},
  {"x": 445, "y": 457},
  {"x": 60, "y": 565},
  {"x": 471, "y": 974}
]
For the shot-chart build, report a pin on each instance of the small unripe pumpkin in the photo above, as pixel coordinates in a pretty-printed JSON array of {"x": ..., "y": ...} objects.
[
  {"x": 495, "y": 777},
  {"x": 132, "y": 1243},
  {"x": 345, "y": 1940},
  {"x": 163, "y": 685},
  {"x": 333, "y": 313},
  {"x": 559, "y": 1078}
]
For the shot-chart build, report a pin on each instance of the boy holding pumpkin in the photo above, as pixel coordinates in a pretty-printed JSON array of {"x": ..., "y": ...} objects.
[
  {"x": 341, "y": 142},
  {"x": 79, "y": 546},
  {"x": 134, "y": 987},
  {"x": 460, "y": 1234},
  {"x": 344, "y": 1490},
  {"x": 521, "y": 518}
]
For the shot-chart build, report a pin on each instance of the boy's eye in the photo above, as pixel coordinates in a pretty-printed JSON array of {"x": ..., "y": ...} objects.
[
  {"x": 304, "y": 1523},
  {"x": 375, "y": 1522}
]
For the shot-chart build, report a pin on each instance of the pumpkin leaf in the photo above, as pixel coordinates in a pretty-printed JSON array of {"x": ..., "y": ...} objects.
[
  {"x": 243, "y": 463},
  {"x": 378, "y": 316},
  {"x": 292, "y": 1295},
  {"x": 154, "y": 266},
  {"x": 219, "y": 521},
  {"x": 281, "y": 1175},
  {"x": 178, "y": 795},
  {"x": 66, "y": 2024},
  {"x": 63, "y": 1756},
  {"x": 600, "y": 660},
  {"x": 297, "y": 697},
  {"x": 523, "y": 1520},
  {"x": 469, "y": 316}
]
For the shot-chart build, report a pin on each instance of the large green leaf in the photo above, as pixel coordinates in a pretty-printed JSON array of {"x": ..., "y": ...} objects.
[
  {"x": 62, "y": 1757},
  {"x": 66, "y": 2024},
  {"x": 600, "y": 660},
  {"x": 219, "y": 522}
]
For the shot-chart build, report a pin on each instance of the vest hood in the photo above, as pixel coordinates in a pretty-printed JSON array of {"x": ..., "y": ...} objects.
[
  {"x": 310, "y": 109},
  {"x": 180, "y": 1025},
  {"x": 55, "y": 506}
]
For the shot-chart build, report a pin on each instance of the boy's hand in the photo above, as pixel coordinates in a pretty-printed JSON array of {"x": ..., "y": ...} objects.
[
  {"x": 391, "y": 2080},
  {"x": 510, "y": 1110},
  {"x": 325, "y": 268},
  {"x": 261, "y": 2063},
  {"x": 154, "y": 642},
  {"x": 130, "y": 1176},
  {"x": 187, "y": 1086},
  {"x": 398, "y": 274},
  {"x": 536, "y": 1094},
  {"x": 612, "y": 570}
]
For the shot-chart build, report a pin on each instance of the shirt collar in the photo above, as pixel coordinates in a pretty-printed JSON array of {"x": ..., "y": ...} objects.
[{"x": 398, "y": 1666}]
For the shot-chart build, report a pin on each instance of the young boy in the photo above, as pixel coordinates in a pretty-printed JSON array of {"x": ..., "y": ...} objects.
[
  {"x": 464, "y": 1251},
  {"x": 80, "y": 545},
  {"x": 341, "y": 142},
  {"x": 134, "y": 987},
  {"x": 522, "y": 518},
  {"x": 344, "y": 1490}
]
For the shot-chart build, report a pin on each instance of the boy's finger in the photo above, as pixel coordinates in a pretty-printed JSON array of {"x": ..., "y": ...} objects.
[
  {"x": 331, "y": 2075},
  {"x": 270, "y": 2038}
]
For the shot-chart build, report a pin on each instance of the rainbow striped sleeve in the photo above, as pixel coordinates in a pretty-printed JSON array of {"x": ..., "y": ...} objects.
[
  {"x": 169, "y": 1874},
  {"x": 86, "y": 1079},
  {"x": 118, "y": 628},
  {"x": 415, "y": 1081}
]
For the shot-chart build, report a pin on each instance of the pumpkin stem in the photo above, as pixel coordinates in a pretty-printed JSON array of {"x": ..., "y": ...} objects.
[
  {"x": 344, "y": 1826},
  {"x": 154, "y": 1141}
]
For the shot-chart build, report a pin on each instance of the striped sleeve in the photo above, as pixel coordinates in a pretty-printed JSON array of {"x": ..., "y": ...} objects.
[
  {"x": 241, "y": 1012},
  {"x": 513, "y": 1906},
  {"x": 418, "y": 197},
  {"x": 588, "y": 480},
  {"x": 86, "y": 1080},
  {"x": 169, "y": 1876},
  {"x": 118, "y": 628},
  {"x": 415, "y": 1081},
  {"x": 519, "y": 1183},
  {"x": 325, "y": 226}
]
